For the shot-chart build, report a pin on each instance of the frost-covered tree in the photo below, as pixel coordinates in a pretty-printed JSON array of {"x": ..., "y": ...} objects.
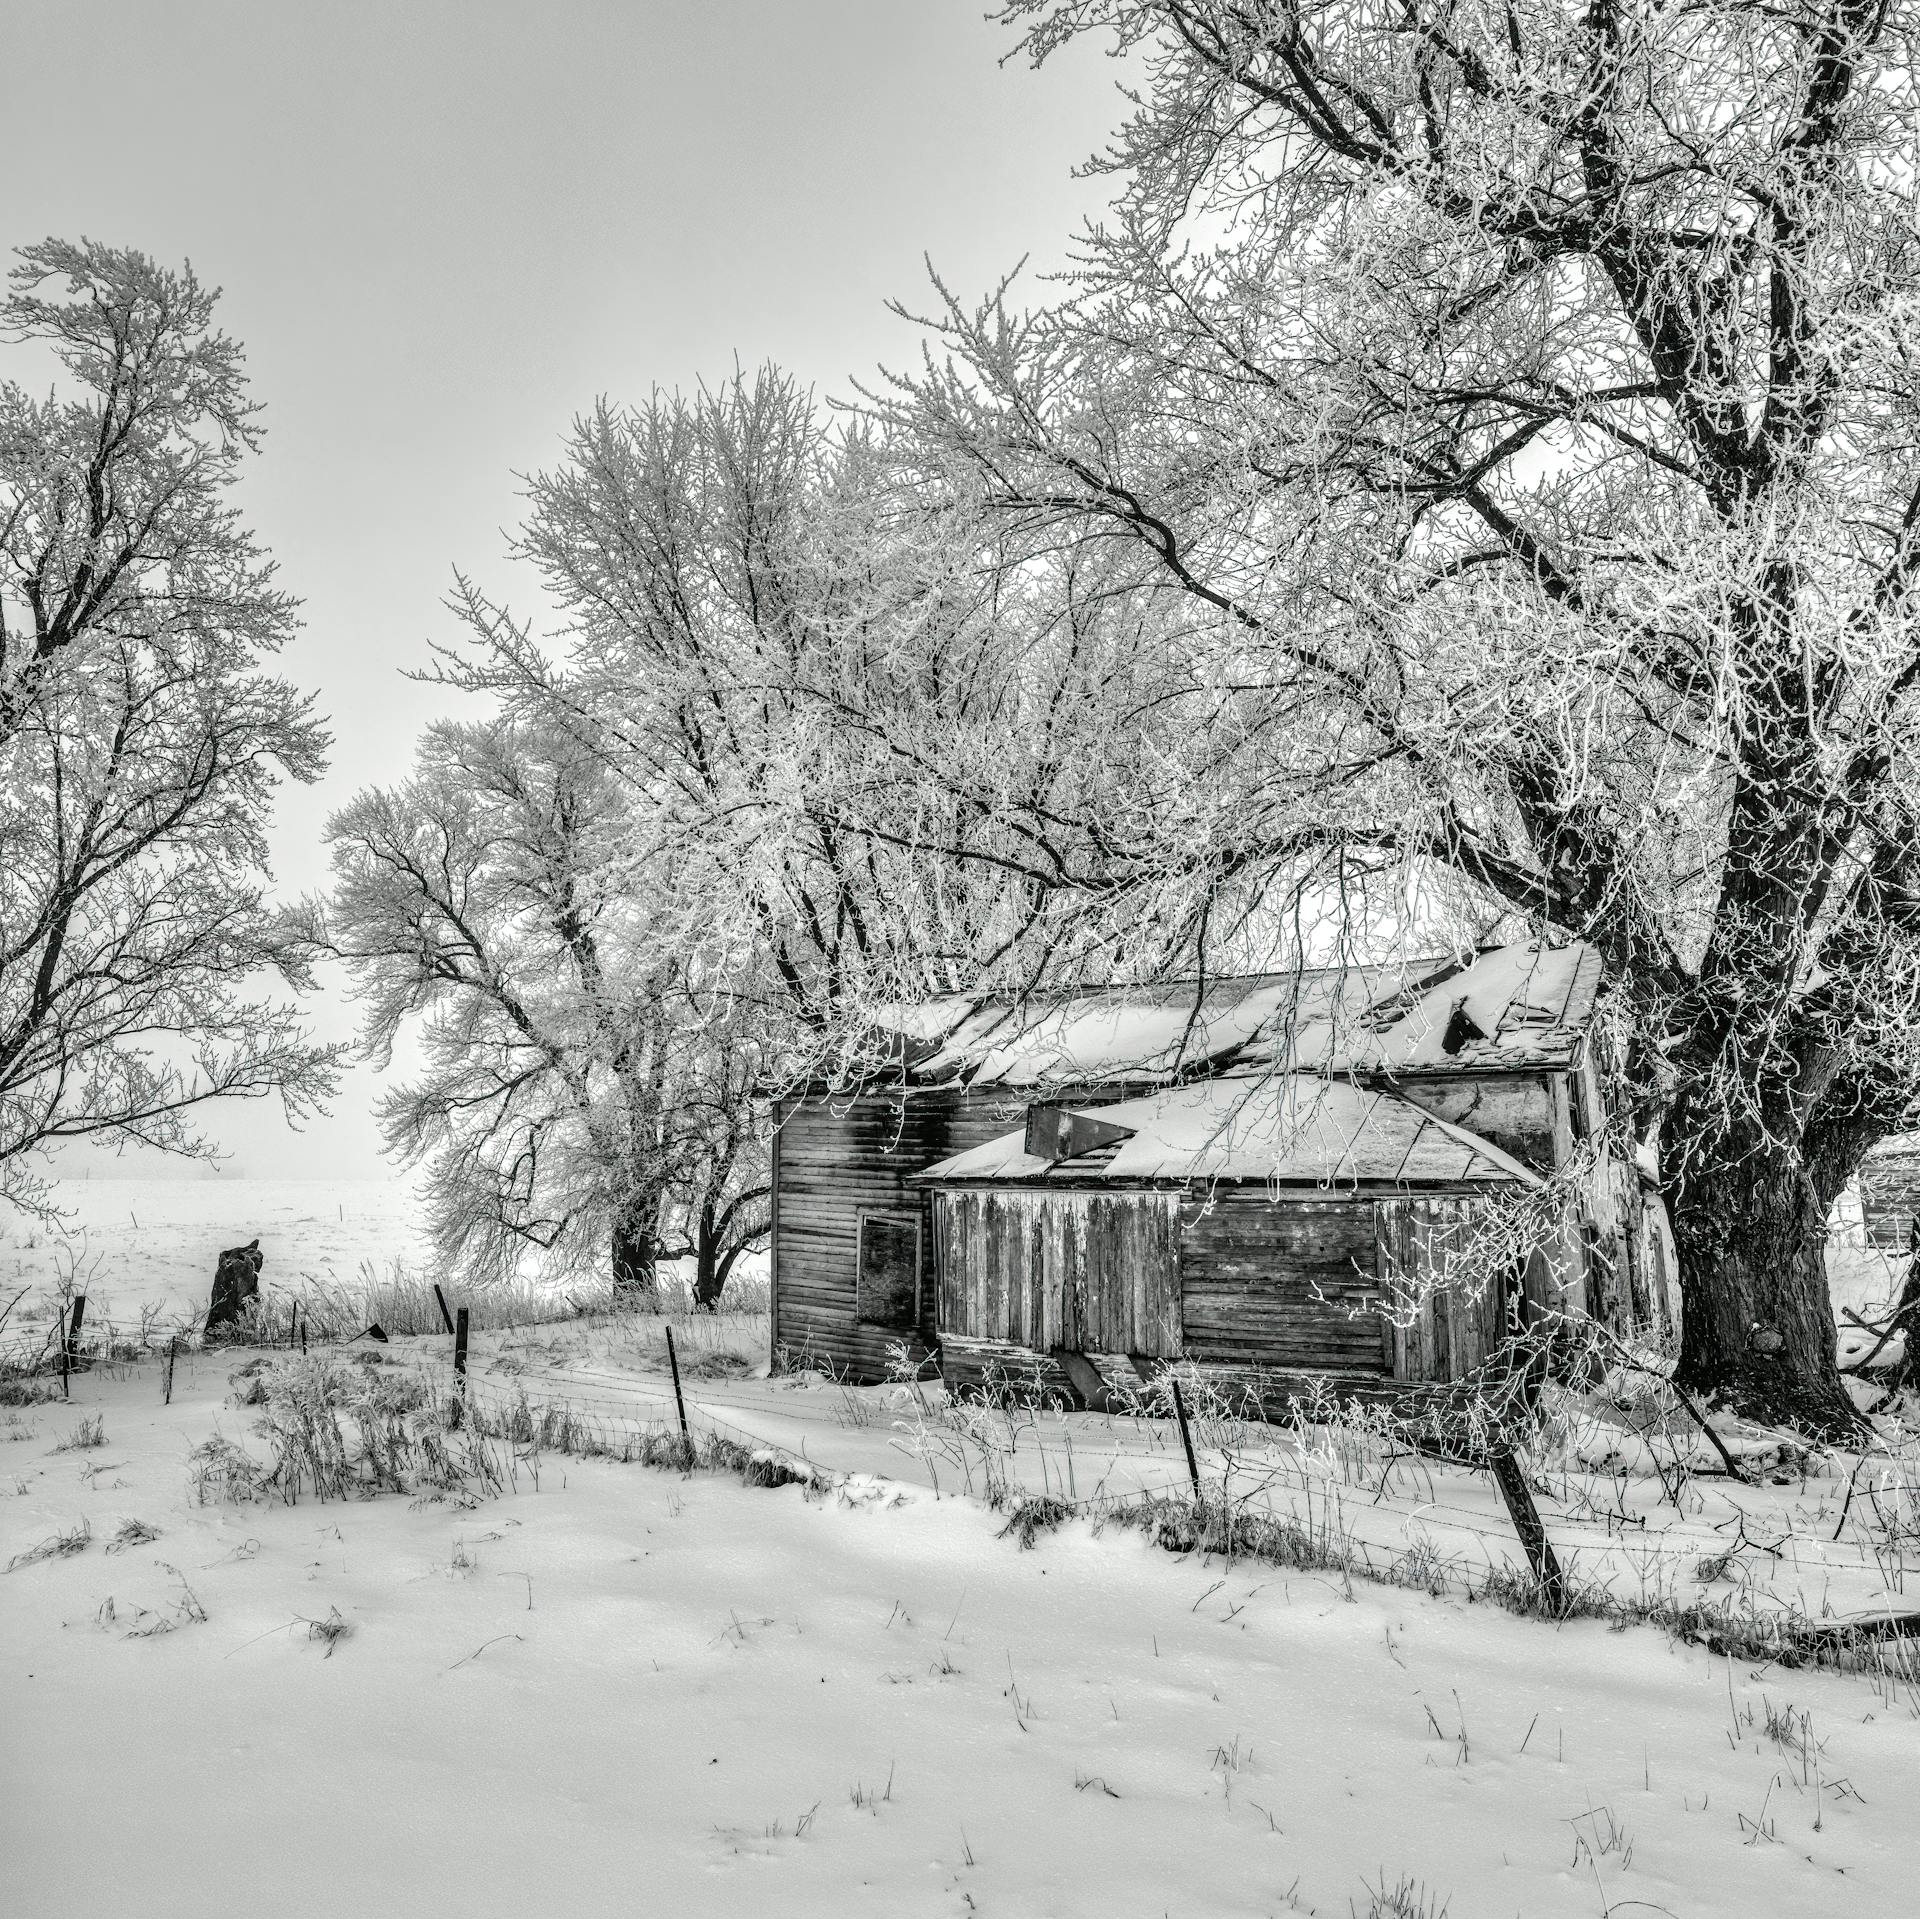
[
  {"x": 140, "y": 741},
  {"x": 1523, "y": 398},
  {"x": 588, "y": 1066},
  {"x": 904, "y": 757},
  {"x": 695, "y": 552}
]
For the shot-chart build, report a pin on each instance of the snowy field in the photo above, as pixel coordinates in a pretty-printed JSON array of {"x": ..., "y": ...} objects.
[
  {"x": 611, "y": 1688},
  {"x": 144, "y": 1251},
  {"x": 149, "y": 1246},
  {"x": 1634, "y": 1501},
  {"x": 624, "y": 1690}
]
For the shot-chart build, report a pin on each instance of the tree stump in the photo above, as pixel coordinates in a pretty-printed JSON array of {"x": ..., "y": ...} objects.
[{"x": 236, "y": 1279}]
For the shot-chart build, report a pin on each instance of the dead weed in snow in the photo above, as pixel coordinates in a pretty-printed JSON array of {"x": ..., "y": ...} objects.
[
  {"x": 1405, "y": 1899},
  {"x": 340, "y": 1430},
  {"x": 330, "y": 1630},
  {"x": 218, "y": 1470},
  {"x": 186, "y": 1610},
  {"x": 55, "y": 1546},
  {"x": 89, "y": 1433}
]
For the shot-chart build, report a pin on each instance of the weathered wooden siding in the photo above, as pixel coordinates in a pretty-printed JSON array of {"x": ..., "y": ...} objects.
[
  {"x": 1890, "y": 1196},
  {"x": 1091, "y": 1272},
  {"x": 837, "y": 1160},
  {"x": 1284, "y": 1283},
  {"x": 1525, "y": 1114},
  {"x": 1443, "y": 1324},
  {"x": 1631, "y": 1276}
]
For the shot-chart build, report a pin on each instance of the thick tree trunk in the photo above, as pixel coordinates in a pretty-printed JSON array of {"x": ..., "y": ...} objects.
[
  {"x": 708, "y": 1283},
  {"x": 636, "y": 1254},
  {"x": 1757, "y": 1331}
]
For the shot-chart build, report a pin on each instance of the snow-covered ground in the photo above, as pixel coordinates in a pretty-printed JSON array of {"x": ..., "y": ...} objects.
[
  {"x": 622, "y": 1690},
  {"x": 1638, "y": 1509},
  {"x": 614, "y": 1689}
]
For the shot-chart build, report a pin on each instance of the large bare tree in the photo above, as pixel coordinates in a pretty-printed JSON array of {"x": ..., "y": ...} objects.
[
  {"x": 1523, "y": 399},
  {"x": 140, "y": 742}
]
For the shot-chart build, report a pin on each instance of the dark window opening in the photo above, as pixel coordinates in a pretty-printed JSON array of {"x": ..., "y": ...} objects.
[
  {"x": 889, "y": 1278},
  {"x": 1461, "y": 1030}
]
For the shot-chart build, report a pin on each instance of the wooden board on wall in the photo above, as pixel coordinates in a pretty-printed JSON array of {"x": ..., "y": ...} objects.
[
  {"x": 1047, "y": 1269},
  {"x": 1445, "y": 1322},
  {"x": 1281, "y": 1282},
  {"x": 1518, "y": 1112}
]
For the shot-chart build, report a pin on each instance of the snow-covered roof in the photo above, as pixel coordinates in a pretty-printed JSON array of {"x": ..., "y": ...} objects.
[
  {"x": 1520, "y": 1005},
  {"x": 1291, "y": 1128},
  {"x": 1510, "y": 1006}
]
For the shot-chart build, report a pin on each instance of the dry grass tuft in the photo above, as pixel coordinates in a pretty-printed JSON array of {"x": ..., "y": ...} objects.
[
  {"x": 89, "y": 1433},
  {"x": 217, "y": 1469},
  {"x": 330, "y": 1630},
  {"x": 1404, "y": 1899},
  {"x": 56, "y": 1546},
  {"x": 186, "y": 1611},
  {"x": 1032, "y": 1515}
]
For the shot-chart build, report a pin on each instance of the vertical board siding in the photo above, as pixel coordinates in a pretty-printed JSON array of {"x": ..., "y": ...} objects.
[
  {"x": 1287, "y": 1283},
  {"x": 1090, "y": 1272},
  {"x": 1628, "y": 1268},
  {"x": 1444, "y": 1321}
]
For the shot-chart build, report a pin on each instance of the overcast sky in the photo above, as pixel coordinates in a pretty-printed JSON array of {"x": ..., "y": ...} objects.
[{"x": 443, "y": 229}]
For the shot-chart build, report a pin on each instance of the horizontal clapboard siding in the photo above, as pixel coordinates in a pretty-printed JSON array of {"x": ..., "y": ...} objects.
[{"x": 1290, "y": 1284}]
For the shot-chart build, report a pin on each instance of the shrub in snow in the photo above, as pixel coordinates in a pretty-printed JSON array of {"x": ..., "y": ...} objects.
[{"x": 340, "y": 1430}]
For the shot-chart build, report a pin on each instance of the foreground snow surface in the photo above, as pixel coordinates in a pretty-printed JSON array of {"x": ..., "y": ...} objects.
[{"x": 625, "y": 1691}]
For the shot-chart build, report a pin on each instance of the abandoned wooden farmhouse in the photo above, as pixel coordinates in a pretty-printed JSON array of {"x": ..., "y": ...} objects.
[{"x": 1269, "y": 1176}]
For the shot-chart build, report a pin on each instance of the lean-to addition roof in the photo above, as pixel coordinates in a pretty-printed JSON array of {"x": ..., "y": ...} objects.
[{"x": 1285, "y": 1128}]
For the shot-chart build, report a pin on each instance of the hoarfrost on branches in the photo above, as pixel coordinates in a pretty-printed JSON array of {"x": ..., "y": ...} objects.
[{"x": 140, "y": 741}]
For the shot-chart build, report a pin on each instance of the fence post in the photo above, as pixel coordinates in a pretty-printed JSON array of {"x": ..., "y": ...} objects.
[
  {"x": 673, "y": 1363},
  {"x": 442, "y": 1298},
  {"x": 457, "y": 1412},
  {"x": 74, "y": 1318},
  {"x": 1510, "y": 1476},
  {"x": 1186, "y": 1436},
  {"x": 173, "y": 1343},
  {"x": 293, "y": 1327}
]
